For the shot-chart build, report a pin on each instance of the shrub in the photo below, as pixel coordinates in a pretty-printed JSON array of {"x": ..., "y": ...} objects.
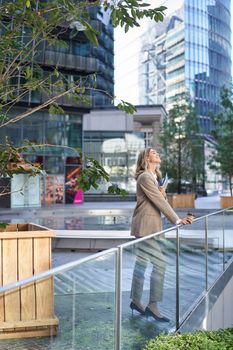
[{"x": 200, "y": 340}]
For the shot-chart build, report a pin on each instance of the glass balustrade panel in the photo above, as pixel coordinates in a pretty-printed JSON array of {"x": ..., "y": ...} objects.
[
  {"x": 148, "y": 279},
  {"x": 80, "y": 300},
  {"x": 215, "y": 247},
  {"x": 192, "y": 265},
  {"x": 228, "y": 236}
]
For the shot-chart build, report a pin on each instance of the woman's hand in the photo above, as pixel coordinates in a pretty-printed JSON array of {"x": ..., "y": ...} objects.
[{"x": 187, "y": 220}]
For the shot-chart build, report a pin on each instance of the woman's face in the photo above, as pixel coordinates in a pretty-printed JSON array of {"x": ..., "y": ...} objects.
[{"x": 154, "y": 157}]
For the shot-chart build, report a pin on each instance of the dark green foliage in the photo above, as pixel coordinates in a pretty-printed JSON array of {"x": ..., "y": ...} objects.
[
  {"x": 126, "y": 107},
  {"x": 127, "y": 13},
  {"x": 222, "y": 157},
  {"x": 182, "y": 146},
  {"x": 213, "y": 340},
  {"x": 114, "y": 189}
]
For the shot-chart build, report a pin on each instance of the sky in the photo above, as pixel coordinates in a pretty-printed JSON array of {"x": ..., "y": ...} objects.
[{"x": 127, "y": 46}]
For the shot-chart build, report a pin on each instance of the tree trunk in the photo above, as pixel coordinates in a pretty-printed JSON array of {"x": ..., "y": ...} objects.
[
  {"x": 230, "y": 184},
  {"x": 179, "y": 167}
]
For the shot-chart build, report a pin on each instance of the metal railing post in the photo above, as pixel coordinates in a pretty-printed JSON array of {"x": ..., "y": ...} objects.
[
  {"x": 118, "y": 298},
  {"x": 73, "y": 313},
  {"x": 206, "y": 253},
  {"x": 177, "y": 279},
  {"x": 223, "y": 240}
]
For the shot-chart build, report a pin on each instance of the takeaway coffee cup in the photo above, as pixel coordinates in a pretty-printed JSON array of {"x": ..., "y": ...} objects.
[{"x": 190, "y": 216}]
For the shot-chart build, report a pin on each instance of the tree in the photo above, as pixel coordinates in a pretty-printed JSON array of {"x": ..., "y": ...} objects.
[
  {"x": 222, "y": 156},
  {"x": 182, "y": 146},
  {"x": 25, "y": 27}
]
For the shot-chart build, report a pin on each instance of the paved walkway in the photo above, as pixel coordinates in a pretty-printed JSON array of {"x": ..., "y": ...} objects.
[{"x": 210, "y": 202}]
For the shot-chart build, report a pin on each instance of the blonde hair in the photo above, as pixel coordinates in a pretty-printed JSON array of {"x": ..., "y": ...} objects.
[{"x": 143, "y": 164}]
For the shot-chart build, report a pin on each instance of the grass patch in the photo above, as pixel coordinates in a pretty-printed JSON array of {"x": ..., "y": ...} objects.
[{"x": 200, "y": 340}]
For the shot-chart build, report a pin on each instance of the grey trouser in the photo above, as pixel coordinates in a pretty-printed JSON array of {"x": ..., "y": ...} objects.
[{"x": 149, "y": 251}]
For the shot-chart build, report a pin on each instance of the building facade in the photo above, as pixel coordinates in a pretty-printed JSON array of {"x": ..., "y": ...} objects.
[
  {"x": 189, "y": 55},
  {"x": 116, "y": 145},
  {"x": 76, "y": 61}
]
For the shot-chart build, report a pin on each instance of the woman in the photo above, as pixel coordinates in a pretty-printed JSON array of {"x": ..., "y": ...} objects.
[{"x": 151, "y": 202}]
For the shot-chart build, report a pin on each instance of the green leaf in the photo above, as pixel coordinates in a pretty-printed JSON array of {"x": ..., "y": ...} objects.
[
  {"x": 3, "y": 225},
  {"x": 92, "y": 37},
  {"x": 28, "y": 3},
  {"x": 55, "y": 109},
  {"x": 126, "y": 107},
  {"x": 126, "y": 28}
]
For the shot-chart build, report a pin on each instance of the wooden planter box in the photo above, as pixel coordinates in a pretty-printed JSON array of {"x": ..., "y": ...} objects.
[
  {"x": 28, "y": 311},
  {"x": 226, "y": 201},
  {"x": 183, "y": 200}
]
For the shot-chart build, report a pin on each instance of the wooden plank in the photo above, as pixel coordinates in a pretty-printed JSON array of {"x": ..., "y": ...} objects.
[
  {"x": 23, "y": 227},
  {"x": 27, "y": 324},
  {"x": 27, "y": 293},
  {"x": 11, "y": 228},
  {"x": 44, "y": 288},
  {"x": 1, "y": 296},
  {"x": 9, "y": 275},
  {"x": 29, "y": 333},
  {"x": 186, "y": 200},
  {"x": 226, "y": 202},
  {"x": 26, "y": 234}
]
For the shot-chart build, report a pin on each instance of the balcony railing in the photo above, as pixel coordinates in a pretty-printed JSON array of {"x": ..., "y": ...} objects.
[
  {"x": 68, "y": 61},
  {"x": 92, "y": 295}
]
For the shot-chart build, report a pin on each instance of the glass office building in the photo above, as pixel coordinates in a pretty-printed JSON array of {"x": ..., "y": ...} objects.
[
  {"x": 190, "y": 54},
  {"x": 208, "y": 53},
  {"x": 76, "y": 61}
]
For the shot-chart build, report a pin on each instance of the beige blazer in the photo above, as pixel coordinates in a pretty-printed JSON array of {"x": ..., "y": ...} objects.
[{"x": 150, "y": 204}]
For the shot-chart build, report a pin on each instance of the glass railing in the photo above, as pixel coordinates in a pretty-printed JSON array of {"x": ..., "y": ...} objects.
[
  {"x": 192, "y": 265},
  {"x": 148, "y": 275},
  {"x": 89, "y": 301},
  {"x": 227, "y": 236},
  {"x": 215, "y": 263},
  {"x": 78, "y": 299},
  {"x": 85, "y": 303}
]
